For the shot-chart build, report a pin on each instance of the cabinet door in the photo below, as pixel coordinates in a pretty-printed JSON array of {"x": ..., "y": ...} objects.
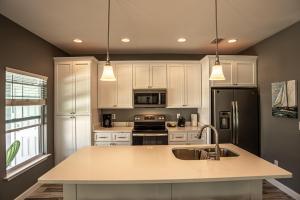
[
  {"x": 141, "y": 76},
  {"x": 193, "y": 86},
  {"x": 103, "y": 137},
  {"x": 124, "y": 85},
  {"x": 228, "y": 70},
  {"x": 158, "y": 76},
  {"x": 64, "y": 138},
  {"x": 64, "y": 88},
  {"x": 245, "y": 72},
  {"x": 107, "y": 91},
  {"x": 175, "y": 94},
  {"x": 82, "y": 131},
  {"x": 82, "y": 88}
]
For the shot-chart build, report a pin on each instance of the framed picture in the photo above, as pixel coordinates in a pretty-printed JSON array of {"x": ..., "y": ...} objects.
[{"x": 284, "y": 99}]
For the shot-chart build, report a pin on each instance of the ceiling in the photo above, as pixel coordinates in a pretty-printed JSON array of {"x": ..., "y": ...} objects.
[{"x": 152, "y": 25}]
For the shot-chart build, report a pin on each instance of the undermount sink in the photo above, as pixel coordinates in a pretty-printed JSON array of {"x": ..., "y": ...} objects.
[{"x": 201, "y": 153}]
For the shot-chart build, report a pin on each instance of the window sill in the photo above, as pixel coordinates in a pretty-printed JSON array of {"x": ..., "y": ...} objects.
[{"x": 16, "y": 172}]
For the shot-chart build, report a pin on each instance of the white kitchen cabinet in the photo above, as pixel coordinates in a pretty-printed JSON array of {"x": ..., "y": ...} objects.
[
  {"x": 112, "y": 138},
  {"x": 176, "y": 87},
  {"x": 193, "y": 138},
  {"x": 147, "y": 76},
  {"x": 192, "y": 86},
  {"x": 184, "y": 85},
  {"x": 75, "y": 105},
  {"x": 239, "y": 71},
  {"x": 64, "y": 90},
  {"x": 178, "y": 138},
  {"x": 116, "y": 94}
]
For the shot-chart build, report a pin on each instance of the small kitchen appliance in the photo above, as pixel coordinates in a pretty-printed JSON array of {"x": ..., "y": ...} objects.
[
  {"x": 107, "y": 120},
  {"x": 181, "y": 122}
]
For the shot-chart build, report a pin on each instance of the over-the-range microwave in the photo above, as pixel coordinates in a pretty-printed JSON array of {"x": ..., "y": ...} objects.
[{"x": 149, "y": 98}]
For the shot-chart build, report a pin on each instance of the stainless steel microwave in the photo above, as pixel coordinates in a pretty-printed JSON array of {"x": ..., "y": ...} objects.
[{"x": 149, "y": 98}]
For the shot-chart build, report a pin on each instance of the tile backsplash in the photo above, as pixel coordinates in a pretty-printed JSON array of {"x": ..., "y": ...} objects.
[{"x": 127, "y": 115}]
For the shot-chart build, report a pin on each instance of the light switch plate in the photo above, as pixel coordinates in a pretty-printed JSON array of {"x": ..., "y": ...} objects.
[
  {"x": 113, "y": 116},
  {"x": 178, "y": 115},
  {"x": 299, "y": 125}
]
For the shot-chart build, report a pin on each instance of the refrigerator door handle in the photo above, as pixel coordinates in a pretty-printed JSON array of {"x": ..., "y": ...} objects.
[
  {"x": 233, "y": 122},
  {"x": 237, "y": 122}
]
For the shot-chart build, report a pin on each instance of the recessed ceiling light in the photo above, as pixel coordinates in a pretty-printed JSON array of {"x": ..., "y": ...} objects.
[
  {"x": 232, "y": 41},
  {"x": 181, "y": 40},
  {"x": 76, "y": 40},
  {"x": 126, "y": 40}
]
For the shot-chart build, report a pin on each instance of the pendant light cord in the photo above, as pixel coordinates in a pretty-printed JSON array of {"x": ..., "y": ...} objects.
[
  {"x": 217, "y": 37},
  {"x": 108, "y": 32}
]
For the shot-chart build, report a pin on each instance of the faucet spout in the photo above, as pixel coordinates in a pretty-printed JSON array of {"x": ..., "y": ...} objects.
[{"x": 217, "y": 147}]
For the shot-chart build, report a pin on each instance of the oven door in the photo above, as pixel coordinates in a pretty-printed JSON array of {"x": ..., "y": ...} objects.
[{"x": 149, "y": 138}]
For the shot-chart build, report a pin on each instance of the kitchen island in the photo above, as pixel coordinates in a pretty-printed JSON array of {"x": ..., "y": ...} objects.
[{"x": 153, "y": 172}]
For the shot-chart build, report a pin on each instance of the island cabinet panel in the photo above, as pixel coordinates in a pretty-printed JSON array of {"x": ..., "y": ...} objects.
[
  {"x": 234, "y": 190},
  {"x": 116, "y": 94}
]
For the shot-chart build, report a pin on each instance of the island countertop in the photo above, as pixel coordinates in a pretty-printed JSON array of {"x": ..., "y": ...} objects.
[{"x": 157, "y": 164}]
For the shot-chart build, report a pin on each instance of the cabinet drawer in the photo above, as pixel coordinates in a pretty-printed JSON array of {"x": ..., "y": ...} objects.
[
  {"x": 193, "y": 136},
  {"x": 178, "y": 137},
  {"x": 121, "y": 137},
  {"x": 112, "y": 143},
  {"x": 103, "y": 137}
]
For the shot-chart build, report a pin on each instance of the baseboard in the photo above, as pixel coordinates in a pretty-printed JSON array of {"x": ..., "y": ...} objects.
[
  {"x": 28, "y": 191},
  {"x": 284, "y": 188}
]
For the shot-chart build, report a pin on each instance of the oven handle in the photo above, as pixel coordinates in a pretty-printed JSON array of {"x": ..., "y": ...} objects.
[{"x": 149, "y": 134}]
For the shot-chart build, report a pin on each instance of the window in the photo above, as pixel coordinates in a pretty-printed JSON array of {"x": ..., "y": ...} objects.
[{"x": 26, "y": 98}]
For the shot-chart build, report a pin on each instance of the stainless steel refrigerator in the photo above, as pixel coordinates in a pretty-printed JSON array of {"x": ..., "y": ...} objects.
[{"x": 235, "y": 114}]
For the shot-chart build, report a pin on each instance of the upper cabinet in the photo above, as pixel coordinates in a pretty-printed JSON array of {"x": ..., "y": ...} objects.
[
  {"x": 116, "y": 94},
  {"x": 184, "y": 85},
  {"x": 73, "y": 86},
  {"x": 150, "y": 76},
  {"x": 239, "y": 71}
]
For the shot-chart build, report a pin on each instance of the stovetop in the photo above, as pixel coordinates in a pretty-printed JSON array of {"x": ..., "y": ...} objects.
[{"x": 150, "y": 123}]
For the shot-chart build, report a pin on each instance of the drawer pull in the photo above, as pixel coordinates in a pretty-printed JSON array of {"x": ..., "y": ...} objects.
[
  {"x": 122, "y": 137},
  {"x": 102, "y": 137},
  {"x": 179, "y": 137}
]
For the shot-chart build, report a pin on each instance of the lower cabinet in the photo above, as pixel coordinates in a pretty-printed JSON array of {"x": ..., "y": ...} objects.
[
  {"x": 71, "y": 134},
  {"x": 186, "y": 137},
  {"x": 112, "y": 139}
]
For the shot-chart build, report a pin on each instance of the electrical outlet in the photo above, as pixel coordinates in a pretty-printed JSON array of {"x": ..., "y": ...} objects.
[
  {"x": 113, "y": 116},
  {"x": 299, "y": 126},
  {"x": 178, "y": 115},
  {"x": 276, "y": 162}
]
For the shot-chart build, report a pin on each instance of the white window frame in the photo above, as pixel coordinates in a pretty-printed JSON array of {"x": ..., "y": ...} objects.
[{"x": 43, "y": 125}]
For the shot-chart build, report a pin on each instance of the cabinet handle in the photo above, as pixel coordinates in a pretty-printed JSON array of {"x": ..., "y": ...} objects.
[
  {"x": 179, "y": 137},
  {"x": 114, "y": 105},
  {"x": 102, "y": 137},
  {"x": 122, "y": 137}
]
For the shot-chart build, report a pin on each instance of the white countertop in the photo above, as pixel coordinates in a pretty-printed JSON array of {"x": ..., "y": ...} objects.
[
  {"x": 184, "y": 129},
  {"x": 156, "y": 164},
  {"x": 113, "y": 129}
]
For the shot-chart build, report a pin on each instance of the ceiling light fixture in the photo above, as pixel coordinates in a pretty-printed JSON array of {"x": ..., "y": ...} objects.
[
  {"x": 217, "y": 70},
  {"x": 108, "y": 72},
  {"x": 125, "y": 40},
  {"x": 77, "y": 40},
  {"x": 181, "y": 40},
  {"x": 232, "y": 40}
]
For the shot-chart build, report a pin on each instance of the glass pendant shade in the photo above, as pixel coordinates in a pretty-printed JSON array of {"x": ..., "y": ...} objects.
[
  {"x": 108, "y": 73},
  {"x": 217, "y": 73}
]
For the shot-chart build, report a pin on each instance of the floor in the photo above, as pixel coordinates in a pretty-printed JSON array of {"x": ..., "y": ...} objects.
[{"x": 55, "y": 192}]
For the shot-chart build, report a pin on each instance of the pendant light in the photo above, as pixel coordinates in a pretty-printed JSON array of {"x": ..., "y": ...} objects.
[
  {"x": 217, "y": 69},
  {"x": 108, "y": 72}
]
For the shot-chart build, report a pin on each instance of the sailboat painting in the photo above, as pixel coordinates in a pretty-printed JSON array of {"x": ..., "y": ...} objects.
[{"x": 284, "y": 99}]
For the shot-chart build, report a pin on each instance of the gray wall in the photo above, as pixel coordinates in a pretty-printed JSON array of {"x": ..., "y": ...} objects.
[
  {"x": 278, "y": 60},
  {"x": 127, "y": 115},
  {"x": 25, "y": 51}
]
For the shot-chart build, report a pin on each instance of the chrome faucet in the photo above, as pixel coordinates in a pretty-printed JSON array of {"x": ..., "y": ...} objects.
[{"x": 217, "y": 147}]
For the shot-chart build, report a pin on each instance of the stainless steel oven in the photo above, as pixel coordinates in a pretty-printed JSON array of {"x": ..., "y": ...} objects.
[
  {"x": 149, "y": 98},
  {"x": 149, "y": 130}
]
